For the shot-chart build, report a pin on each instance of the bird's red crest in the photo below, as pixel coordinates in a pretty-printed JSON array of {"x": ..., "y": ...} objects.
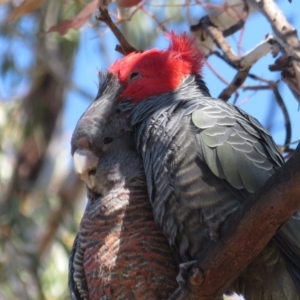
[
  {"x": 185, "y": 47},
  {"x": 154, "y": 72}
]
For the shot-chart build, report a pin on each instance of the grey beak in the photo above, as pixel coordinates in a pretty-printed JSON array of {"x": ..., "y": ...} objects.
[{"x": 85, "y": 164}]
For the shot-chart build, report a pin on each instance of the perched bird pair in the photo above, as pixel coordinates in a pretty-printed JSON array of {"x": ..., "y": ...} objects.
[{"x": 155, "y": 135}]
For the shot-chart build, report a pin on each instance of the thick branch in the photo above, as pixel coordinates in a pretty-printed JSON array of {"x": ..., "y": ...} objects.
[
  {"x": 246, "y": 233},
  {"x": 237, "y": 81}
]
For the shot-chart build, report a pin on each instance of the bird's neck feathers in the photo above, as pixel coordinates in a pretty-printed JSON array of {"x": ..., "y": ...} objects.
[{"x": 192, "y": 90}]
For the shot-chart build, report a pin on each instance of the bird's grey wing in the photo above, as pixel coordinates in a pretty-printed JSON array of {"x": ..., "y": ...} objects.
[
  {"x": 76, "y": 281},
  {"x": 240, "y": 151},
  {"x": 235, "y": 146}
]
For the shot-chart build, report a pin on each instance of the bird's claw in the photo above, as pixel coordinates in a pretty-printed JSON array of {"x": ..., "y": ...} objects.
[{"x": 184, "y": 270}]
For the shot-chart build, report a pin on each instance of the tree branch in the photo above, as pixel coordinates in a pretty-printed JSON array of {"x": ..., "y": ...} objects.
[
  {"x": 124, "y": 47},
  {"x": 287, "y": 37},
  {"x": 245, "y": 234},
  {"x": 237, "y": 81},
  {"x": 272, "y": 85},
  {"x": 240, "y": 23},
  {"x": 241, "y": 63}
]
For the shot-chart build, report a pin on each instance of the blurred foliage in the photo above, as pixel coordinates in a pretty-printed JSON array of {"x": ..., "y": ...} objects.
[
  {"x": 142, "y": 30},
  {"x": 28, "y": 122},
  {"x": 38, "y": 215}
]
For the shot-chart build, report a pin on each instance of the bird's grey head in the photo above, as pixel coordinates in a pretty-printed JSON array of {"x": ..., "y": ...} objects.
[{"x": 102, "y": 144}]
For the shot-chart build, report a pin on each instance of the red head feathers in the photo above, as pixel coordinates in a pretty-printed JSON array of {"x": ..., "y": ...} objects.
[{"x": 155, "y": 72}]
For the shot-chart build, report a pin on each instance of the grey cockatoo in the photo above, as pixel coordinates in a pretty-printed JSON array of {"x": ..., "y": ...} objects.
[
  {"x": 202, "y": 158},
  {"x": 118, "y": 253}
]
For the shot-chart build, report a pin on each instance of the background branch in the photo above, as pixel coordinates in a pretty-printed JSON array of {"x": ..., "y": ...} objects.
[{"x": 287, "y": 37}]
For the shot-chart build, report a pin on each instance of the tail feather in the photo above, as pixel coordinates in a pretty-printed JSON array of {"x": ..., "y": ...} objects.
[
  {"x": 288, "y": 240},
  {"x": 271, "y": 280}
]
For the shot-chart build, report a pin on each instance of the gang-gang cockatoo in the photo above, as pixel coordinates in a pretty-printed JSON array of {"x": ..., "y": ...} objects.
[{"x": 118, "y": 253}]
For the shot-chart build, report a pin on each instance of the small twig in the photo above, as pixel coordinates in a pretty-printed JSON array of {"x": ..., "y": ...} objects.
[
  {"x": 237, "y": 81},
  {"x": 287, "y": 120},
  {"x": 240, "y": 23},
  {"x": 239, "y": 45},
  {"x": 153, "y": 16},
  {"x": 217, "y": 74},
  {"x": 256, "y": 88},
  {"x": 289, "y": 153},
  {"x": 293, "y": 143},
  {"x": 236, "y": 96},
  {"x": 121, "y": 19},
  {"x": 124, "y": 46},
  {"x": 219, "y": 55},
  {"x": 255, "y": 77},
  {"x": 188, "y": 12},
  {"x": 272, "y": 85}
]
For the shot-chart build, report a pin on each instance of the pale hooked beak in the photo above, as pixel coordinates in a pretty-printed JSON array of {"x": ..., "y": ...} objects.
[{"x": 85, "y": 164}]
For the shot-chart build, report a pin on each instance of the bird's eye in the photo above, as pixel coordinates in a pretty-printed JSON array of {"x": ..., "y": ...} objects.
[
  {"x": 134, "y": 75},
  {"x": 107, "y": 140}
]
